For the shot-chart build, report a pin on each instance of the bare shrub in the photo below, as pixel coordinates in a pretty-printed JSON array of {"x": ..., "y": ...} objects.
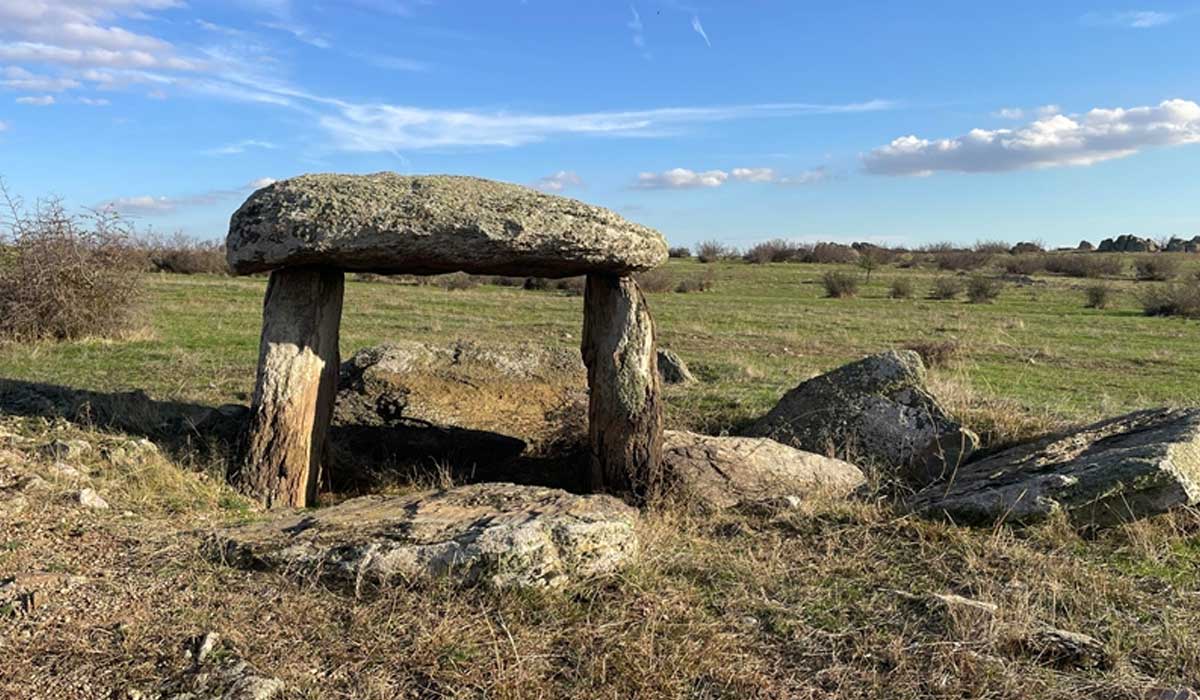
[
  {"x": 1157, "y": 268},
  {"x": 946, "y": 288},
  {"x": 67, "y": 276},
  {"x": 961, "y": 260},
  {"x": 831, "y": 254},
  {"x": 992, "y": 247},
  {"x": 983, "y": 290},
  {"x": 712, "y": 251},
  {"x": 182, "y": 255},
  {"x": 679, "y": 252},
  {"x": 655, "y": 281},
  {"x": 1088, "y": 265},
  {"x": 1024, "y": 264},
  {"x": 701, "y": 282},
  {"x": 1098, "y": 296},
  {"x": 777, "y": 250},
  {"x": 901, "y": 288},
  {"x": 456, "y": 281},
  {"x": 937, "y": 353},
  {"x": 839, "y": 285},
  {"x": 536, "y": 284},
  {"x": 573, "y": 286},
  {"x": 1172, "y": 300}
]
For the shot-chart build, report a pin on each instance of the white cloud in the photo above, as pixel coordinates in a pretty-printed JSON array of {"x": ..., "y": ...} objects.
[
  {"x": 1048, "y": 110},
  {"x": 386, "y": 128},
  {"x": 635, "y": 25},
  {"x": 1013, "y": 113},
  {"x": 94, "y": 101},
  {"x": 241, "y": 147},
  {"x": 17, "y": 78},
  {"x": 396, "y": 63},
  {"x": 699, "y": 29},
  {"x": 1132, "y": 19},
  {"x": 3, "y": 126},
  {"x": 144, "y": 204},
  {"x": 559, "y": 181},
  {"x": 301, "y": 33},
  {"x": 147, "y": 205},
  {"x": 754, "y": 174},
  {"x": 260, "y": 183},
  {"x": 807, "y": 177},
  {"x": 1057, "y": 140},
  {"x": 681, "y": 179},
  {"x": 37, "y": 101}
]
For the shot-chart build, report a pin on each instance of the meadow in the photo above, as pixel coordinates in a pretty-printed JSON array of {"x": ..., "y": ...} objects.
[{"x": 827, "y": 601}]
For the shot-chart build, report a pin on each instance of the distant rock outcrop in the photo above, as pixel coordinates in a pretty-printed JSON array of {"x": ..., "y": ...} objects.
[
  {"x": 877, "y": 410},
  {"x": 1128, "y": 243},
  {"x": 1026, "y": 247},
  {"x": 1183, "y": 245},
  {"x": 1085, "y": 246}
]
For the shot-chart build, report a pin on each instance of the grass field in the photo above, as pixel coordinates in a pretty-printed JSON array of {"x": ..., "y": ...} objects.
[{"x": 809, "y": 604}]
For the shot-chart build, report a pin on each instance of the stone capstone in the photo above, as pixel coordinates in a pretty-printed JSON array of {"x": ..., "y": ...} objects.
[
  {"x": 502, "y": 535},
  {"x": 879, "y": 411},
  {"x": 1117, "y": 470},
  {"x": 722, "y": 472},
  {"x": 389, "y": 223}
]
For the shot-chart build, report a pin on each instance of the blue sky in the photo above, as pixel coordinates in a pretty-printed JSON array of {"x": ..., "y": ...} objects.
[{"x": 901, "y": 122}]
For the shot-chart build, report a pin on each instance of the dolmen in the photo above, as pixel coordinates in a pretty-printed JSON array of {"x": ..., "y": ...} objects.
[{"x": 308, "y": 231}]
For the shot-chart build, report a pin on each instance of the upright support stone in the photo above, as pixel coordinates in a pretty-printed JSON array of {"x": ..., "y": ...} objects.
[
  {"x": 624, "y": 406},
  {"x": 295, "y": 388}
]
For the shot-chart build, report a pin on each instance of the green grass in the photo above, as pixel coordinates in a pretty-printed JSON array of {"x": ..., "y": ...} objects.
[{"x": 760, "y": 331}]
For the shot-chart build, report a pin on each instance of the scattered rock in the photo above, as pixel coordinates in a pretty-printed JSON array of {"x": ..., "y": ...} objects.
[
  {"x": 1065, "y": 649},
  {"x": 65, "y": 449},
  {"x": 877, "y": 409},
  {"x": 720, "y": 472},
  {"x": 1117, "y": 470},
  {"x": 672, "y": 369},
  {"x": 502, "y": 535},
  {"x": 130, "y": 450},
  {"x": 65, "y": 471},
  {"x": 34, "y": 483},
  {"x": 198, "y": 648},
  {"x": 90, "y": 499},
  {"x": 234, "y": 680},
  {"x": 399, "y": 224}
]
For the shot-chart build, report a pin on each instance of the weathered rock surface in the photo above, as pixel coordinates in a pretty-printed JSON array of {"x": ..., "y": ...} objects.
[
  {"x": 390, "y": 223},
  {"x": 1120, "y": 469},
  {"x": 495, "y": 534},
  {"x": 877, "y": 409},
  {"x": 721, "y": 472},
  {"x": 1127, "y": 243},
  {"x": 65, "y": 449},
  {"x": 672, "y": 369},
  {"x": 88, "y": 498},
  {"x": 1066, "y": 649}
]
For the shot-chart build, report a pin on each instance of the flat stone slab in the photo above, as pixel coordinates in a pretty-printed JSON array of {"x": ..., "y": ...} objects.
[
  {"x": 722, "y": 472},
  {"x": 501, "y": 535},
  {"x": 1117, "y": 470},
  {"x": 400, "y": 224}
]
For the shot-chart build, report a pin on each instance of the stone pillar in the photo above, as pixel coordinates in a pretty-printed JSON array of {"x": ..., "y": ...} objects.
[
  {"x": 295, "y": 387},
  {"x": 624, "y": 404}
]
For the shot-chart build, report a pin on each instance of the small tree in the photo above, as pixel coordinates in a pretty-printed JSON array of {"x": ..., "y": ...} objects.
[{"x": 868, "y": 261}]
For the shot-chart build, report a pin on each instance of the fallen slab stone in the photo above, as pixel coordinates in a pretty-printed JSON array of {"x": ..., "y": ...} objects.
[
  {"x": 722, "y": 472},
  {"x": 1114, "y": 471},
  {"x": 672, "y": 369},
  {"x": 877, "y": 409},
  {"x": 393, "y": 224},
  {"x": 503, "y": 535}
]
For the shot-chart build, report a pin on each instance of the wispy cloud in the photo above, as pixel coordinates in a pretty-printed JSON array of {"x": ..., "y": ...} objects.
[
  {"x": 559, "y": 181},
  {"x": 1131, "y": 19},
  {"x": 94, "y": 101},
  {"x": 396, "y": 63},
  {"x": 37, "y": 100},
  {"x": 1018, "y": 113},
  {"x": 300, "y": 32},
  {"x": 17, "y": 78},
  {"x": 638, "y": 31},
  {"x": 147, "y": 205},
  {"x": 699, "y": 29},
  {"x": 386, "y": 128},
  {"x": 241, "y": 147},
  {"x": 1058, "y": 140},
  {"x": 684, "y": 179},
  {"x": 3, "y": 126}
]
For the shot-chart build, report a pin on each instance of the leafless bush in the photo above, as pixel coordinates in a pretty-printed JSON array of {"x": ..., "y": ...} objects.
[
  {"x": 992, "y": 247},
  {"x": 679, "y": 252},
  {"x": 1098, "y": 296},
  {"x": 1157, "y": 268},
  {"x": 1172, "y": 300},
  {"x": 945, "y": 288},
  {"x": 831, "y": 254},
  {"x": 655, "y": 281},
  {"x": 983, "y": 290},
  {"x": 456, "y": 281},
  {"x": 67, "y": 276},
  {"x": 712, "y": 251},
  {"x": 901, "y": 288},
  {"x": 1087, "y": 265},
  {"x": 573, "y": 286},
  {"x": 937, "y": 353},
  {"x": 960, "y": 260},
  {"x": 839, "y": 285},
  {"x": 701, "y": 282},
  {"x": 777, "y": 250},
  {"x": 186, "y": 256},
  {"x": 1024, "y": 264}
]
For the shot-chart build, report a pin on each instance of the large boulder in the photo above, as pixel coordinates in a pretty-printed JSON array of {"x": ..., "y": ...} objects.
[
  {"x": 672, "y": 369},
  {"x": 501, "y": 535},
  {"x": 720, "y": 472},
  {"x": 389, "y": 223},
  {"x": 1128, "y": 243},
  {"x": 877, "y": 410},
  {"x": 1117, "y": 470}
]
